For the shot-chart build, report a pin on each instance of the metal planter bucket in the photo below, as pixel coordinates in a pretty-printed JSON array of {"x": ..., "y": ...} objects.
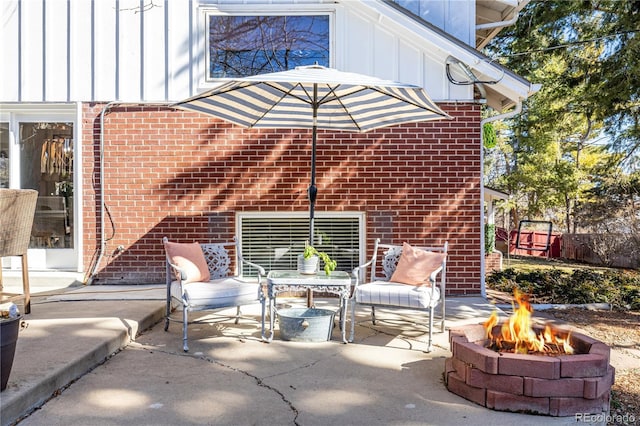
[{"x": 306, "y": 324}]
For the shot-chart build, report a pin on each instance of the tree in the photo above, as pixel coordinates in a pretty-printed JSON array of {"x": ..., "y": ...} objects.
[
  {"x": 612, "y": 213},
  {"x": 583, "y": 124}
]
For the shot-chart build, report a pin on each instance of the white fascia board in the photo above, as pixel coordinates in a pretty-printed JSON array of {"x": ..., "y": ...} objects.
[
  {"x": 53, "y": 108},
  {"x": 493, "y": 194},
  {"x": 512, "y": 86}
]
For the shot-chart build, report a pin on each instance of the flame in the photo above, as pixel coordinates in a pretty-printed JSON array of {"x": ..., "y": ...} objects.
[
  {"x": 490, "y": 323},
  {"x": 517, "y": 331}
]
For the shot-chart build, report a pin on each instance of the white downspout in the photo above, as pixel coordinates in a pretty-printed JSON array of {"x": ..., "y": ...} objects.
[
  {"x": 519, "y": 5},
  {"x": 103, "y": 240},
  {"x": 504, "y": 116},
  {"x": 504, "y": 23}
]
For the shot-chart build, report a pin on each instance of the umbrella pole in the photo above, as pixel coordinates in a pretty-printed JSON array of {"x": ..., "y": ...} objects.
[{"x": 313, "y": 190}]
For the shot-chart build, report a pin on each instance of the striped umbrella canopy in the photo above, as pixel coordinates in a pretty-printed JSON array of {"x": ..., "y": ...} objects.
[{"x": 315, "y": 97}]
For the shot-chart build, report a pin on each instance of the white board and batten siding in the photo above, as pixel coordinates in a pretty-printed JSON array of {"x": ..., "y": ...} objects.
[{"x": 154, "y": 50}]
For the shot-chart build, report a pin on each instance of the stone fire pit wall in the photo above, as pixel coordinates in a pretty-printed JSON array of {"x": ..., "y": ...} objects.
[{"x": 561, "y": 385}]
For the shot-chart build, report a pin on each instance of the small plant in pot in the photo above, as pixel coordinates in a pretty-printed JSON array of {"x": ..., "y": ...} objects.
[{"x": 309, "y": 260}]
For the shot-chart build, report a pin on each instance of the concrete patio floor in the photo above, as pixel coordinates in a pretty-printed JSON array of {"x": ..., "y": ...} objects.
[{"x": 77, "y": 348}]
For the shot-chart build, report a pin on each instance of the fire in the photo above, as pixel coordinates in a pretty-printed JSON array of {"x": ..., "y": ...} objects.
[{"x": 517, "y": 332}]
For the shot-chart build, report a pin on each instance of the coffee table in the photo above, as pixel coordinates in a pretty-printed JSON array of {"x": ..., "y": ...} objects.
[{"x": 279, "y": 281}]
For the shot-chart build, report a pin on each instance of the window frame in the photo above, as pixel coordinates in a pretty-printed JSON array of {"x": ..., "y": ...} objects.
[
  {"x": 262, "y": 10},
  {"x": 281, "y": 216},
  {"x": 14, "y": 114}
]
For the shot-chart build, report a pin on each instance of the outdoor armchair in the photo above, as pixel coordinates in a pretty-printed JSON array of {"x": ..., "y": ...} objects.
[
  {"x": 402, "y": 276},
  {"x": 199, "y": 277}
]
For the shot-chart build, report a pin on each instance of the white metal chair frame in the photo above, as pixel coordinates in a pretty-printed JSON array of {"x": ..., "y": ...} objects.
[
  {"x": 389, "y": 261},
  {"x": 218, "y": 262}
]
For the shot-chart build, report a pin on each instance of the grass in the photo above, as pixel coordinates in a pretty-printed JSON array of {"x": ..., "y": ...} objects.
[{"x": 530, "y": 264}]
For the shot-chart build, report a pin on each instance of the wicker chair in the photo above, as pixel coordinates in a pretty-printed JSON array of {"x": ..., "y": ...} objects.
[{"x": 17, "y": 209}]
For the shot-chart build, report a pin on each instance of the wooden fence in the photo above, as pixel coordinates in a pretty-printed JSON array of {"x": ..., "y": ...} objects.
[
  {"x": 576, "y": 247},
  {"x": 579, "y": 247}
]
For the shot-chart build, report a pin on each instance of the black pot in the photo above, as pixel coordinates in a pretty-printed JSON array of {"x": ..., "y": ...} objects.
[{"x": 8, "y": 338}]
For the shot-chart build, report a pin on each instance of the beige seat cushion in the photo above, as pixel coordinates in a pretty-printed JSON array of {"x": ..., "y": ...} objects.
[
  {"x": 219, "y": 293},
  {"x": 396, "y": 294}
]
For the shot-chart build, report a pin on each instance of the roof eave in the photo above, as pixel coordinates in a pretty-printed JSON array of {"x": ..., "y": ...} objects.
[
  {"x": 510, "y": 87},
  {"x": 494, "y": 194},
  {"x": 487, "y": 27}
]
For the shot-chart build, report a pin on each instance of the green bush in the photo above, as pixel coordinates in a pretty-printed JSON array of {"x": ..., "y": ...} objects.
[
  {"x": 489, "y": 238},
  {"x": 618, "y": 288},
  {"x": 489, "y": 139},
  {"x": 505, "y": 280}
]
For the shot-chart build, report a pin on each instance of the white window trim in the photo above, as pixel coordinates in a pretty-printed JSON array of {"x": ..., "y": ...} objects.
[
  {"x": 361, "y": 216},
  {"x": 14, "y": 114},
  {"x": 203, "y": 82}
]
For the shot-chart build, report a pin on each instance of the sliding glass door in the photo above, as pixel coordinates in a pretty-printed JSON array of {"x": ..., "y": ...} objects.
[
  {"x": 37, "y": 152},
  {"x": 46, "y": 165}
]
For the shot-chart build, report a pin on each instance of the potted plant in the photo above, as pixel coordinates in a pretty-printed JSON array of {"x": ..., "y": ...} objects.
[
  {"x": 9, "y": 327},
  {"x": 309, "y": 260}
]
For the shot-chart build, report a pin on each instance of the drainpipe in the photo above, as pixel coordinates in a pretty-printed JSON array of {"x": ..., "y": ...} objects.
[
  {"x": 103, "y": 239},
  {"x": 504, "y": 23},
  {"x": 504, "y": 116},
  {"x": 494, "y": 27},
  {"x": 519, "y": 5}
]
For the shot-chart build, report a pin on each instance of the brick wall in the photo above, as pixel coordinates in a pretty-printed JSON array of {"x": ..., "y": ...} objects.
[
  {"x": 492, "y": 262},
  {"x": 185, "y": 175}
]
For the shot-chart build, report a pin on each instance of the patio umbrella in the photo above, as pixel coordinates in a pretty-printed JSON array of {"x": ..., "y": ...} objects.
[{"x": 315, "y": 97}]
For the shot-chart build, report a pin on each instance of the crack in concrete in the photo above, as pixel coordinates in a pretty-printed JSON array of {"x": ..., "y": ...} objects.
[
  {"x": 407, "y": 339},
  {"x": 302, "y": 367},
  {"x": 260, "y": 382}
]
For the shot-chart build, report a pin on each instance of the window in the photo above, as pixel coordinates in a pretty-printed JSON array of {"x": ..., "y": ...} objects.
[
  {"x": 274, "y": 241},
  {"x": 241, "y": 46}
]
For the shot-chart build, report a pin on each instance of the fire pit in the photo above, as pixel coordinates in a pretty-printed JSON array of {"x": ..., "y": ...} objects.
[{"x": 492, "y": 365}]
